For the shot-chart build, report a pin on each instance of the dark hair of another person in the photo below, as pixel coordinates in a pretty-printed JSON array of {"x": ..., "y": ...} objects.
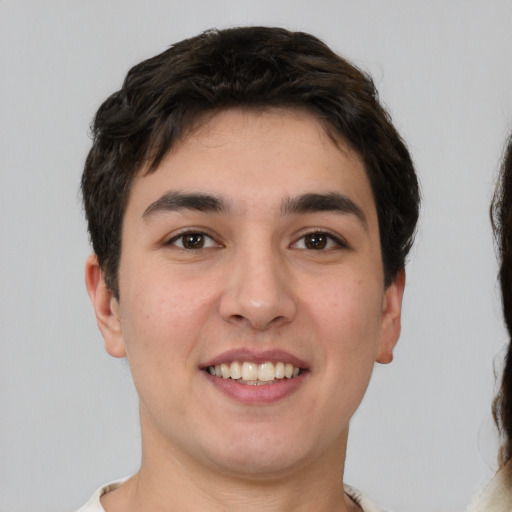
[
  {"x": 501, "y": 216},
  {"x": 164, "y": 97}
]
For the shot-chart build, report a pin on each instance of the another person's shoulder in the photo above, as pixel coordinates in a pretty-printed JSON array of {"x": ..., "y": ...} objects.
[
  {"x": 497, "y": 496},
  {"x": 94, "y": 504}
]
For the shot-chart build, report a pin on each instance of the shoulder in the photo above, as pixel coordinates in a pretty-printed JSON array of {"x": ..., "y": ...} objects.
[
  {"x": 94, "y": 504},
  {"x": 365, "y": 504},
  {"x": 497, "y": 496}
]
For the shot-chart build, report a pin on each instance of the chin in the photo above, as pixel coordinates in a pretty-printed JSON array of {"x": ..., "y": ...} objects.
[
  {"x": 258, "y": 467},
  {"x": 260, "y": 455}
]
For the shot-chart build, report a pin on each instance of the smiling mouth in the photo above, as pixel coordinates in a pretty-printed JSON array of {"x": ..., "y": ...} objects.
[{"x": 253, "y": 374}]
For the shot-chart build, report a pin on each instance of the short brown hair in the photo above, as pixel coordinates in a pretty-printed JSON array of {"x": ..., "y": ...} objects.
[{"x": 251, "y": 67}]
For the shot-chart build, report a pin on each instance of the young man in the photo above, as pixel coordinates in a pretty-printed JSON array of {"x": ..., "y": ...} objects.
[{"x": 250, "y": 207}]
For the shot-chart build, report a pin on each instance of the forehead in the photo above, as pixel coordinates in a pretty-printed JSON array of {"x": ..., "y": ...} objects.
[{"x": 256, "y": 158}]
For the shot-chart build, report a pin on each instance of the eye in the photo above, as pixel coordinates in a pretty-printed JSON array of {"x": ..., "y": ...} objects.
[
  {"x": 318, "y": 241},
  {"x": 193, "y": 240}
]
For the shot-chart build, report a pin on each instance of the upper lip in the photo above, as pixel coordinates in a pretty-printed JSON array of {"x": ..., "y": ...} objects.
[{"x": 256, "y": 356}]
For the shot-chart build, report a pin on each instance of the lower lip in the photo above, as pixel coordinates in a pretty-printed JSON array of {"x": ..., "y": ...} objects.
[{"x": 262, "y": 394}]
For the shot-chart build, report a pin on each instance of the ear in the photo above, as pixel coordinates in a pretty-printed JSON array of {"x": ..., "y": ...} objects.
[
  {"x": 106, "y": 308},
  {"x": 390, "y": 321}
]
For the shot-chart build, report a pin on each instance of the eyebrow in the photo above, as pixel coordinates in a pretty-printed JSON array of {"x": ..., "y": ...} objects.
[
  {"x": 175, "y": 201},
  {"x": 305, "y": 203},
  {"x": 329, "y": 202}
]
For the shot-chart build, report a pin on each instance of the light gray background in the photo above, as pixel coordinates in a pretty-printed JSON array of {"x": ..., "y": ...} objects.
[{"x": 423, "y": 439}]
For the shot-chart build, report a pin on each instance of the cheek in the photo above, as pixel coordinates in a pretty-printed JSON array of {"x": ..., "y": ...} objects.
[
  {"x": 162, "y": 323},
  {"x": 162, "y": 317},
  {"x": 351, "y": 303},
  {"x": 348, "y": 317},
  {"x": 347, "y": 323}
]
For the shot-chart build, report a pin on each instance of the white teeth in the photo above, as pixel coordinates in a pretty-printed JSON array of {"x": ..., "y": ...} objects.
[
  {"x": 249, "y": 371},
  {"x": 254, "y": 374},
  {"x": 226, "y": 373},
  {"x": 279, "y": 370},
  {"x": 267, "y": 372},
  {"x": 235, "y": 372}
]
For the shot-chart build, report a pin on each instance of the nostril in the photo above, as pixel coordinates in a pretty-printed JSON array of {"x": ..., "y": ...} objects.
[{"x": 246, "y": 306}]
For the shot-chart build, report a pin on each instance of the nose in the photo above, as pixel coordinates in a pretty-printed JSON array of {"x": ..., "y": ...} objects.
[{"x": 257, "y": 291}]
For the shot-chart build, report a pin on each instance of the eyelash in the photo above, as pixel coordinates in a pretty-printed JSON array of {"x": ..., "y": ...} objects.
[{"x": 330, "y": 239}]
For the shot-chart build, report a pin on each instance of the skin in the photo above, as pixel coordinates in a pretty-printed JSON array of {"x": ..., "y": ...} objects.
[{"x": 257, "y": 283}]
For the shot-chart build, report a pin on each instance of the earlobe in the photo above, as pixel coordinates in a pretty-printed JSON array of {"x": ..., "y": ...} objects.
[
  {"x": 391, "y": 318},
  {"x": 106, "y": 308}
]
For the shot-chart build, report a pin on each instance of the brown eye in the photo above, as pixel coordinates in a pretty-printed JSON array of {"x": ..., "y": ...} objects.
[
  {"x": 193, "y": 240},
  {"x": 316, "y": 241},
  {"x": 319, "y": 241}
]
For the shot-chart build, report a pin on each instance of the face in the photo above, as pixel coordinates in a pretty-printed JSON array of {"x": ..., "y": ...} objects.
[{"x": 252, "y": 305}]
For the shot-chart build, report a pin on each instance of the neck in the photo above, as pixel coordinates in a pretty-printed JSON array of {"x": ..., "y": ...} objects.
[{"x": 170, "y": 480}]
